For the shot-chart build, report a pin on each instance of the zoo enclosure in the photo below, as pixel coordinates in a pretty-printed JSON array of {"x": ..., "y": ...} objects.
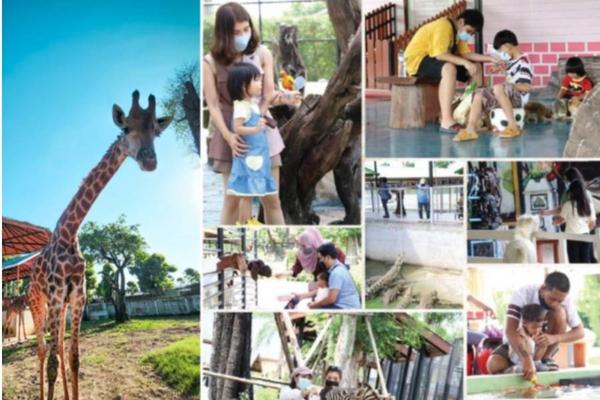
[
  {"x": 444, "y": 199},
  {"x": 228, "y": 289}
]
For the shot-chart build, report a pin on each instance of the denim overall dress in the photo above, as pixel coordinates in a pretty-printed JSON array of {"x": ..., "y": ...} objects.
[{"x": 251, "y": 173}]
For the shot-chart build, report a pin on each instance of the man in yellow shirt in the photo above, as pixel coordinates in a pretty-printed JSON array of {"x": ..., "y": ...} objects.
[{"x": 440, "y": 51}]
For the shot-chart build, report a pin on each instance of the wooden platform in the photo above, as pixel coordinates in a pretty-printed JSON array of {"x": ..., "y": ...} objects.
[{"x": 496, "y": 383}]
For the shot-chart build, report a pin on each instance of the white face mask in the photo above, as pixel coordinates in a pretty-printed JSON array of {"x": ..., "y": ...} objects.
[
  {"x": 304, "y": 383},
  {"x": 241, "y": 42},
  {"x": 504, "y": 56}
]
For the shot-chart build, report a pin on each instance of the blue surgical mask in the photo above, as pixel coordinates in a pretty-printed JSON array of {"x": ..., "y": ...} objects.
[
  {"x": 241, "y": 42},
  {"x": 304, "y": 383},
  {"x": 504, "y": 56},
  {"x": 464, "y": 36}
]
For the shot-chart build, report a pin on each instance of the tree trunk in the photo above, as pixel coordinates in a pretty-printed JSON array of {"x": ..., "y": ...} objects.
[
  {"x": 321, "y": 132},
  {"x": 345, "y": 17},
  {"x": 232, "y": 341},
  {"x": 344, "y": 351},
  {"x": 120, "y": 306},
  {"x": 191, "y": 108}
]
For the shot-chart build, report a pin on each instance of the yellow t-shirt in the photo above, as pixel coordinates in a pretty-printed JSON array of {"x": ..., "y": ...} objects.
[{"x": 432, "y": 39}]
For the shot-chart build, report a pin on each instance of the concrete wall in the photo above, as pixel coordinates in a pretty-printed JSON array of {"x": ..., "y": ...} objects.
[
  {"x": 148, "y": 307},
  {"x": 437, "y": 245}
]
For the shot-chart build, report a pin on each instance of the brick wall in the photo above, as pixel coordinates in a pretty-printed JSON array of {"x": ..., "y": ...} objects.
[{"x": 544, "y": 57}]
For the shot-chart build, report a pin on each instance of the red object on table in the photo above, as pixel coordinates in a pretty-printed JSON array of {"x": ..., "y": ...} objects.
[{"x": 482, "y": 357}]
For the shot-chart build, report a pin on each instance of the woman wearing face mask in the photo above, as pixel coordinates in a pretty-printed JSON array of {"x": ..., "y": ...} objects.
[
  {"x": 307, "y": 244},
  {"x": 440, "y": 51},
  {"x": 333, "y": 377},
  {"x": 235, "y": 40},
  {"x": 301, "y": 387}
]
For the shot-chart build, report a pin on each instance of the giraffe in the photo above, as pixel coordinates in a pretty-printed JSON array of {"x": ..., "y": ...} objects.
[
  {"x": 15, "y": 307},
  {"x": 58, "y": 276}
]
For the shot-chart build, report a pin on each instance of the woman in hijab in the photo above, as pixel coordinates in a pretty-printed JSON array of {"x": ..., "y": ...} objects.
[{"x": 306, "y": 253}]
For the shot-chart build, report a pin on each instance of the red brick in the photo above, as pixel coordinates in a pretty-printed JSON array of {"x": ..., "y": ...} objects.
[
  {"x": 526, "y": 47},
  {"x": 541, "y": 47},
  {"x": 534, "y": 58},
  {"x": 540, "y": 69},
  {"x": 567, "y": 55},
  {"x": 593, "y": 46},
  {"x": 545, "y": 80},
  {"x": 537, "y": 81},
  {"x": 553, "y": 68},
  {"x": 549, "y": 58},
  {"x": 558, "y": 47},
  {"x": 577, "y": 46}
]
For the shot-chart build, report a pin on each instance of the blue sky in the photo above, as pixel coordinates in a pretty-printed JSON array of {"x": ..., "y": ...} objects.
[{"x": 64, "y": 65}]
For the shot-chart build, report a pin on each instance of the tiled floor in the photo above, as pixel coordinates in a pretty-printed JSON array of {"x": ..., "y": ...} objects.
[{"x": 538, "y": 140}]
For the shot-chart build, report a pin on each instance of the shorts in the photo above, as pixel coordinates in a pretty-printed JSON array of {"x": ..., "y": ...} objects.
[
  {"x": 503, "y": 351},
  {"x": 489, "y": 101},
  {"x": 224, "y": 167},
  {"x": 432, "y": 68}
]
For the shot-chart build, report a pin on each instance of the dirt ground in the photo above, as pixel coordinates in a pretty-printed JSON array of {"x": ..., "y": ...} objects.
[{"x": 111, "y": 366}]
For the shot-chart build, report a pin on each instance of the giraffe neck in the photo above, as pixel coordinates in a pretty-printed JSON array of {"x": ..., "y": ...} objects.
[{"x": 93, "y": 184}]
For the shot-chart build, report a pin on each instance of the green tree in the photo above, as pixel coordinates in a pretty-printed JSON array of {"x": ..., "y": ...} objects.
[
  {"x": 132, "y": 288},
  {"x": 91, "y": 279},
  {"x": 587, "y": 304},
  {"x": 191, "y": 276},
  {"x": 153, "y": 272},
  {"x": 107, "y": 279},
  {"x": 118, "y": 244}
]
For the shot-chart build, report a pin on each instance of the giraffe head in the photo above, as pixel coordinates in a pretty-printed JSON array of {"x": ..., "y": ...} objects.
[{"x": 140, "y": 128}]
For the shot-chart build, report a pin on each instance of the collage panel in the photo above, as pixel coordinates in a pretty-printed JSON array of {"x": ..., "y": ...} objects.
[
  {"x": 287, "y": 149},
  {"x": 100, "y": 278},
  {"x": 533, "y": 332},
  {"x": 283, "y": 268},
  {"x": 333, "y": 355},
  {"x": 525, "y": 212},
  {"x": 414, "y": 228},
  {"x": 481, "y": 79}
]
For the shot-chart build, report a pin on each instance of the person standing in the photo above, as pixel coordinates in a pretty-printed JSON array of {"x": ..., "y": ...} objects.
[
  {"x": 423, "y": 198},
  {"x": 384, "y": 193}
]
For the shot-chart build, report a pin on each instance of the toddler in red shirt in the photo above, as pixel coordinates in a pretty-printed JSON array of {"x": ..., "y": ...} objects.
[{"x": 575, "y": 85}]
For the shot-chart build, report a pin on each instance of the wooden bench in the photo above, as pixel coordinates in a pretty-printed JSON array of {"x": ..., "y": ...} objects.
[{"x": 414, "y": 101}]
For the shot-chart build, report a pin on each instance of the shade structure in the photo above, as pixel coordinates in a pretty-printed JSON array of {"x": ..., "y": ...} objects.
[
  {"x": 18, "y": 267},
  {"x": 20, "y": 237}
]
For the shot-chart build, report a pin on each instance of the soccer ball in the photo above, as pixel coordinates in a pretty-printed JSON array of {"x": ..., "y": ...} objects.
[{"x": 499, "y": 121}]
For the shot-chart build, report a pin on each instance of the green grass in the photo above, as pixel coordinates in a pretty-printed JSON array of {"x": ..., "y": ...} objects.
[
  {"x": 139, "y": 324},
  {"x": 265, "y": 394},
  {"x": 594, "y": 361},
  {"x": 178, "y": 364}
]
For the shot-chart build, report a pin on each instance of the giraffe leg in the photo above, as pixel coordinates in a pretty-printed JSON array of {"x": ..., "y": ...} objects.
[
  {"x": 77, "y": 305},
  {"x": 54, "y": 312},
  {"x": 38, "y": 311},
  {"x": 61, "y": 351}
]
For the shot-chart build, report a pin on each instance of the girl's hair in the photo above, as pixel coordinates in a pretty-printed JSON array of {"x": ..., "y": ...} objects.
[
  {"x": 324, "y": 276},
  {"x": 223, "y": 49},
  {"x": 575, "y": 66},
  {"x": 579, "y": 198},
  {"x": 239, "y": 78},
  {"x": 573, "y": 174}
]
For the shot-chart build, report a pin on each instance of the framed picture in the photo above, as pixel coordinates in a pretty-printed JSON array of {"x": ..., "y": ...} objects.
[
  {"x": 482, "y": 248},
  {"x": 538, "y": 201}
]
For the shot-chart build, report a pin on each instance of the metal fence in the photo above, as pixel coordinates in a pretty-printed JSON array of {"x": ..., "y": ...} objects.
[
  {"x": 445, "y": 202},
  {"x": 228, "y": 289}
]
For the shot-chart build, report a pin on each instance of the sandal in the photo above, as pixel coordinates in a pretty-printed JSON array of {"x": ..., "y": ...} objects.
[
  {"x": 510, "y": 133},
  {"x": 464, "y": 135},
  {"x": 452, "y": 129}
]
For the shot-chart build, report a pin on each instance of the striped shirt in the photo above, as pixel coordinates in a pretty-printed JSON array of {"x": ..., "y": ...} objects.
[{"x": 520, "y": 71}]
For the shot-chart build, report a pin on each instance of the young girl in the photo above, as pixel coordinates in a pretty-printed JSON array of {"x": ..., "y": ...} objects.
[
  {"x": 576, "y": 84},
  {"x": 251, "y": 173},
  {"x": 579, "y": 216}
]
